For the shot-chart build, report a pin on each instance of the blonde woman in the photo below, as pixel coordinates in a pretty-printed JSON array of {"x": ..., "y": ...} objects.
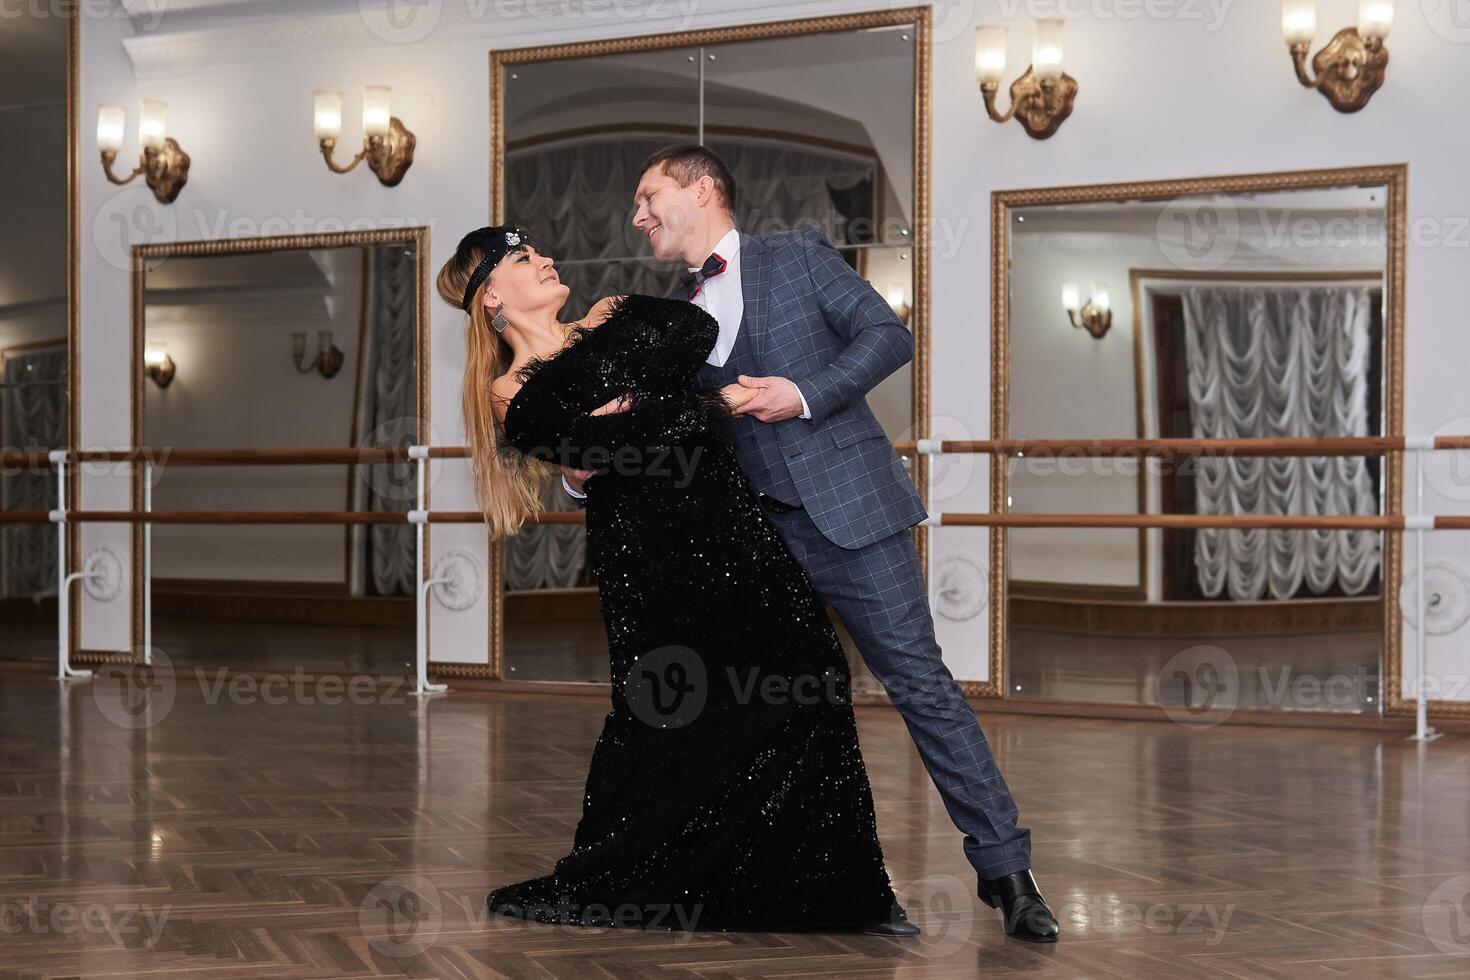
[{"x": 727, "y": 789}]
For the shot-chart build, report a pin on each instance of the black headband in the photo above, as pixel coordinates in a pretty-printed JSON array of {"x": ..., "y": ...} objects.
[{"x": 497, "y": 241}]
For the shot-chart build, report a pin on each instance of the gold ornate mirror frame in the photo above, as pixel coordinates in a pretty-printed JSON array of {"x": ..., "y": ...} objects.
[
  {"x": 1395, "y": 179},
  {"x": 919, "y": 17},
  {"x": 415, "y": 236}
]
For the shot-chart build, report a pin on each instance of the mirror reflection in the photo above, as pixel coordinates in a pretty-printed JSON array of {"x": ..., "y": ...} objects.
[
  {"x": 1216, "y": 316},
  {"x": 33, "y": 317},
  {"x": 818, "y": 129},
  {"x": 311, "y": 347}
]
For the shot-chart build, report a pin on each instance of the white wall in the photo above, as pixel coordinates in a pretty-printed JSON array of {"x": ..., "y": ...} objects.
[{"x": 1161, "y": 97}]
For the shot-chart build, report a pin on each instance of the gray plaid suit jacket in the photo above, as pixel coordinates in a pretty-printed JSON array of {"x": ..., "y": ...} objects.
[{"x": 812, "y": 319}]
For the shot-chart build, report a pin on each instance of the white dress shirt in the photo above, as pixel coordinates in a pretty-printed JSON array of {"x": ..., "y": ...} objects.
[{"x": 723, "y": 297}]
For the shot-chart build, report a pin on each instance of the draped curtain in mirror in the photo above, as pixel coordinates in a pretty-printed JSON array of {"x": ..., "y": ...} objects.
[
  {"x": 34, "y": 414},
  {"x": 1270, "y": 361},
  {"x": 386, "y": 416}
]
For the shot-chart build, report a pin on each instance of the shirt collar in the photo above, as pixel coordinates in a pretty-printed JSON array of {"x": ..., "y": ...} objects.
[{"x": 728, "y": 247}]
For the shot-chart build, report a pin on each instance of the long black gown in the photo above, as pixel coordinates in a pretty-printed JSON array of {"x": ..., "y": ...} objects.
[{"x": 727, "y": 790}]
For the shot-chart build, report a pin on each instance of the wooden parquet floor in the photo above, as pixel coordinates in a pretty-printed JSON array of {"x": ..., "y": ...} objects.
[{"x": 298, "y": 828}]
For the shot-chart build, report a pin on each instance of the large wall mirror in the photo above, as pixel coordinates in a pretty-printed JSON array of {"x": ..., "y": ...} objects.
[
  {"x": 37, "y": 339},
  {"x": 823, "y": 122},
  {"x": 1252, "y": 306},
  {"x": 309, "y": 342}
]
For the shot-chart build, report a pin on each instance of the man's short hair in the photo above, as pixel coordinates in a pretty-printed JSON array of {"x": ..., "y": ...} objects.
[{"x": 687, "y": 162}]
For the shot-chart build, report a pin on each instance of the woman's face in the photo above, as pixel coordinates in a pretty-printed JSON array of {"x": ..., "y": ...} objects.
[{"x": 525, "y": 281}]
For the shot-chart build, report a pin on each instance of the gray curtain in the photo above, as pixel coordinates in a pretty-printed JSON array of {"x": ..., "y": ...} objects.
[
  {"x": 575, "y": 198},
  {"x": 1281, "y": 361},
  {"x": 34, "y": 415},
  {"x": 387, "y": 416}
]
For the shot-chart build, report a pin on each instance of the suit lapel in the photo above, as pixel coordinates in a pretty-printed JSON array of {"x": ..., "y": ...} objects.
[{"x": 755, "y": 288}]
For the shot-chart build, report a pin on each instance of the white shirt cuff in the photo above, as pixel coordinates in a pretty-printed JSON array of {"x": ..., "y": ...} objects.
[
  {"x": 806, "y": 410},
  {"x": 568, "y": 488}
]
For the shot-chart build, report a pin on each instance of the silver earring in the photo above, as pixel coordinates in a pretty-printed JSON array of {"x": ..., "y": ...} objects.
[{"x": 498, "y": 321}]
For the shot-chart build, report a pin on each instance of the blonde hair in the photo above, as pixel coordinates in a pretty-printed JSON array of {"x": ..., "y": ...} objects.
[{"x": 508, "y": 483}]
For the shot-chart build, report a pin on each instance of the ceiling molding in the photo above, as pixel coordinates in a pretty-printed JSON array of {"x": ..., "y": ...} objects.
[{"x": 493, "y": 24}]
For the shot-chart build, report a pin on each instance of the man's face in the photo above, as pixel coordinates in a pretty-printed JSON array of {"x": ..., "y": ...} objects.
[{"x": 668, "y": 215}]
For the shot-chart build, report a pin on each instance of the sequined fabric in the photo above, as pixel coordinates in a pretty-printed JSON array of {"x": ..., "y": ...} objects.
[{"x": 727, "y": 790}]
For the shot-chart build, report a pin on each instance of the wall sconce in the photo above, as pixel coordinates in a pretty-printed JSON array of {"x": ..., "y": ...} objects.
[
  {"x": 1353, "y": 64},
  {"x": 1095, "y": 316},
  {"x": 899, "y": 306},
  {"x": 158, "y": 365},
  {"x": 328, "y": 358},
  {"x": 387, "y": 145},
  {"x": 164, "y": 166},
  {"x": 1042, "y": 98}
]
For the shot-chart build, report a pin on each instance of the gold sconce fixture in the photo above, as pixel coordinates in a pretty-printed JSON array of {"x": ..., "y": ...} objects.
[
  {"x": 328, "y": 360},
  {"x": 386, "y": 146},
  {"x": 158, "y": 365},
  {"x": 1042, "y": 98},
  {"x": 164, "y": 166},
  {"x": 1095, "y": 316},
  {"x": 1353, "y": 64}
]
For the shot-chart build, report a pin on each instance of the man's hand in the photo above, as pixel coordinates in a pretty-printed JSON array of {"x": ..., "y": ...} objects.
[{"x": 776, "y": 399}]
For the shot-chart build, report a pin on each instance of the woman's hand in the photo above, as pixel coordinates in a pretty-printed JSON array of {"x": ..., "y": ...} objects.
[
  {"x": 738, "y": 394},
  {"x": 620, "y": 404}
]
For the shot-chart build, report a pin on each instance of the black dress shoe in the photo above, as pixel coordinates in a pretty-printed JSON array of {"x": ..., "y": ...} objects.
[
  {"x": 897, "y": 925},
  {"x": 1026, "y": 914}
]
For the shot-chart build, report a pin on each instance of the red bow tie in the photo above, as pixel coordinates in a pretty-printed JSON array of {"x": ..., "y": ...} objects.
[{"x": 694, "y": 281}]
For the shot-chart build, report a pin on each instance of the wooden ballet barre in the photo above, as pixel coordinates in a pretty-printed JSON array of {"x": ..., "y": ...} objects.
[
  {"x": 271, "y": 517},
  {"x": 1279, "y": 522},
  {"x": 1282, "y": 522},
  {"x": 1327, "y": 446},
  {"x": 1163, "y": 448},
  {"x": 260, "y": 457}
]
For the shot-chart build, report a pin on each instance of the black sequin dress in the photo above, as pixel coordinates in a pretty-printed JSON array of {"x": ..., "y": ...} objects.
[{"x": 727, "y": 790}]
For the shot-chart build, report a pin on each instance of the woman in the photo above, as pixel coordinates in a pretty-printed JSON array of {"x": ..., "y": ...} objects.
[{"x": 727, "y": 789}]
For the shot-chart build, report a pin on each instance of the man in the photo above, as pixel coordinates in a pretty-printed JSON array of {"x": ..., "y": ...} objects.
[{"x": 813, "y": 338}]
